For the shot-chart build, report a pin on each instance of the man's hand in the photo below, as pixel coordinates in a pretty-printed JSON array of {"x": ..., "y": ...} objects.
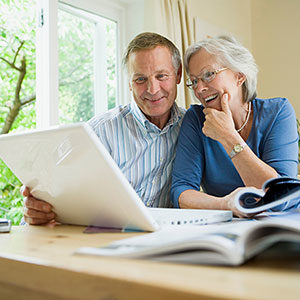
[
  {"x": 217, "y": 123},
  {"x": 36, "y": 212}
]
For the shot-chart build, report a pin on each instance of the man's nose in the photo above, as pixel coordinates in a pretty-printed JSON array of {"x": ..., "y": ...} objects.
[{"x": 153, "y": 86}]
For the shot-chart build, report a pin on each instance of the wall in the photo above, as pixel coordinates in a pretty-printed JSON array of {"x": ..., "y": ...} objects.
[
  {"x": 269, "y": 28},
  {"x": 231, "y": 16},
  {"x": 276, "y": 47},
  {"x": 135, "y": 18},
  {"x": 234, "y": 16}
]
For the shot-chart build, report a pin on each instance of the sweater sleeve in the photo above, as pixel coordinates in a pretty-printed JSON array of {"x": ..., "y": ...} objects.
[{"x": 281, "y": 147}]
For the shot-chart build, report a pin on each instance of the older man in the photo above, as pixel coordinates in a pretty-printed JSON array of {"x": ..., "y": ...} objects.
[{"x": 141, "y": 136}]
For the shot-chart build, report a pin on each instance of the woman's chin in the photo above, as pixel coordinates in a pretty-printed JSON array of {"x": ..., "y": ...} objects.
[{"x": 215, "y": 104}]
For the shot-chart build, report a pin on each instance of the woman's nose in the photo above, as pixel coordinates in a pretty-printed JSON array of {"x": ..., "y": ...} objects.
[{"x": 201, "y": 87}]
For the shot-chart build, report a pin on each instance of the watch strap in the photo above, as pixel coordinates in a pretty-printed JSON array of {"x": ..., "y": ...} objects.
[{"x": 237, "y": 148}]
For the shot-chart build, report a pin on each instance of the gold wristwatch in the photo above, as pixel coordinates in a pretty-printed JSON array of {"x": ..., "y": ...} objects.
[{"x": 237, "y": 148}]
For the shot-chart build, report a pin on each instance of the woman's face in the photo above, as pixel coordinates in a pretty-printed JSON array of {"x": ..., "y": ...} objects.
[{"x": 225, "y": 81}]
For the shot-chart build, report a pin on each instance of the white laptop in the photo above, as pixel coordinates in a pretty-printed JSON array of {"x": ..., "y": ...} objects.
[{"x": 69, "y": 167}]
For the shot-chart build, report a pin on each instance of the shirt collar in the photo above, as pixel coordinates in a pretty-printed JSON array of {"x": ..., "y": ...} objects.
[{"x": 145, "y": 123}]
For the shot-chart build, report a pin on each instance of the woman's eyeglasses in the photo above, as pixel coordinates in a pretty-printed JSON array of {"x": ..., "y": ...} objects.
[{"x": 206, "y": 76}]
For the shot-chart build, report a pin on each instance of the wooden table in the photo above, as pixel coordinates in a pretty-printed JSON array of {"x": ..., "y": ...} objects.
[{"x": 39, "y": 263}]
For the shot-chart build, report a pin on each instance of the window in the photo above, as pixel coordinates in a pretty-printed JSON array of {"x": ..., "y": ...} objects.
[
  {"x": 79, "y": 47},
  {"x": 87, "y": 64}
]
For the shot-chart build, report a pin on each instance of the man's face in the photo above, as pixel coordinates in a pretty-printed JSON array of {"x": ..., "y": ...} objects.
[{"x": 153, "y": 82}]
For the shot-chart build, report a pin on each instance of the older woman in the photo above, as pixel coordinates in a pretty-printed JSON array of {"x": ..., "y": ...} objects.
[{"x": 232, "y": 139}]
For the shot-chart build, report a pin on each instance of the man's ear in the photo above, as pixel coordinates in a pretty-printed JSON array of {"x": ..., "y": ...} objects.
[
  {"x": 241, "y": 78},
  {"x": 179, "y": 74},
  {"x": 130, "y": 86}
]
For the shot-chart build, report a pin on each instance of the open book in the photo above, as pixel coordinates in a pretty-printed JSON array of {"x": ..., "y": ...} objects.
[
  {"x": 274, "y": 192},
  {"x": 230, "y": 244}
]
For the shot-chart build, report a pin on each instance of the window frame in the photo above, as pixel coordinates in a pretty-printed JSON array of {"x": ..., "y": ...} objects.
[{"x": 47, "y": 93}]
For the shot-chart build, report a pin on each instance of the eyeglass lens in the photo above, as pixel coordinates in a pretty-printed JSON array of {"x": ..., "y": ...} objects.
[{"x": 206, "y": 76}]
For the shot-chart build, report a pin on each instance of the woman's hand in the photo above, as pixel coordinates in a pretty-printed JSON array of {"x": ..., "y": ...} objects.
[
  {"x": 229, "y": 204},
  {"x": 218, "y": 123}
]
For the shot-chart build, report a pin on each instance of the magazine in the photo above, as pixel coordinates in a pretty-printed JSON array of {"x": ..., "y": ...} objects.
[
  {"x": 274, "y": 192},
  {"x": 231, "y": 244}
]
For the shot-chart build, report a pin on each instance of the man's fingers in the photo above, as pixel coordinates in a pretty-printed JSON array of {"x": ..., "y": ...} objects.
[
  {"x": 31, "y": 213},
  {"x": 34, "y": 217},
  {"x": 35, "y": 221},
  {"x": 36, "y": 212},
  {"x": 24, "y": 191},
  {"x": 38, "y": 205}
]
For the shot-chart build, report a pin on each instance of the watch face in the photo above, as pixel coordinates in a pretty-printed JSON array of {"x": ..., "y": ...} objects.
[{"x": 238, "y": 148}]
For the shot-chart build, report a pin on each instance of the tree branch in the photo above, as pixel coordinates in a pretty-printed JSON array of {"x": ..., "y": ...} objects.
[
  {"x": 13, "y": 64},
  {"x": 20, "y": 79},
  {"x": 17, "y": 53},
  {"x": 10, "y": 64},
  {"x": 63, "y": 83},
  {"x": 16, "y": 105},
  {"x": 76, "y": 67},
  {"x": 28, "y": 100}
]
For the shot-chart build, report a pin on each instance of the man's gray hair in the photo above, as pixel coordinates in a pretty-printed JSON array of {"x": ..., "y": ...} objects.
[
  {"x": 150, "y": 40},
  {"x": 231, "y": 54}
]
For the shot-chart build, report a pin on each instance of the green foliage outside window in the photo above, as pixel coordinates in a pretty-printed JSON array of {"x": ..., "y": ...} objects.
[
  {"x": 11, "y": 202},
  {"x": 76, "y": 66},
  {"x": 111, "y": 63},
  {"x": 17, "y": 97}
]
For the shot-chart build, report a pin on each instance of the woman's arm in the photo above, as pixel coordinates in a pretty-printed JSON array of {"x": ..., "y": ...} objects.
[
  {"x": 278, "y": 150},
  {"x": 196, "y": 199},
  {"x": 252, "y": 170},
  {"x": 189, "y": 160},
  {"x": 279, "y": 144}
]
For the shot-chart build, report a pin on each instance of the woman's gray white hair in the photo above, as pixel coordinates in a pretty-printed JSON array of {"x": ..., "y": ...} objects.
[{"x": 231, "y": 54}]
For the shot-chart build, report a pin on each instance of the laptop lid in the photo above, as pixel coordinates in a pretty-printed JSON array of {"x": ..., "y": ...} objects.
[{"x": 69, "y": 167}]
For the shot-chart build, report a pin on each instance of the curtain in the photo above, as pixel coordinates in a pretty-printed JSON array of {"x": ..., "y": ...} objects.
[{"x": 175, "y": 23}]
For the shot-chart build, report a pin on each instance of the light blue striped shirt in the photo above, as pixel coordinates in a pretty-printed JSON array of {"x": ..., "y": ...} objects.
[{"x": 144, "y": 153}]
